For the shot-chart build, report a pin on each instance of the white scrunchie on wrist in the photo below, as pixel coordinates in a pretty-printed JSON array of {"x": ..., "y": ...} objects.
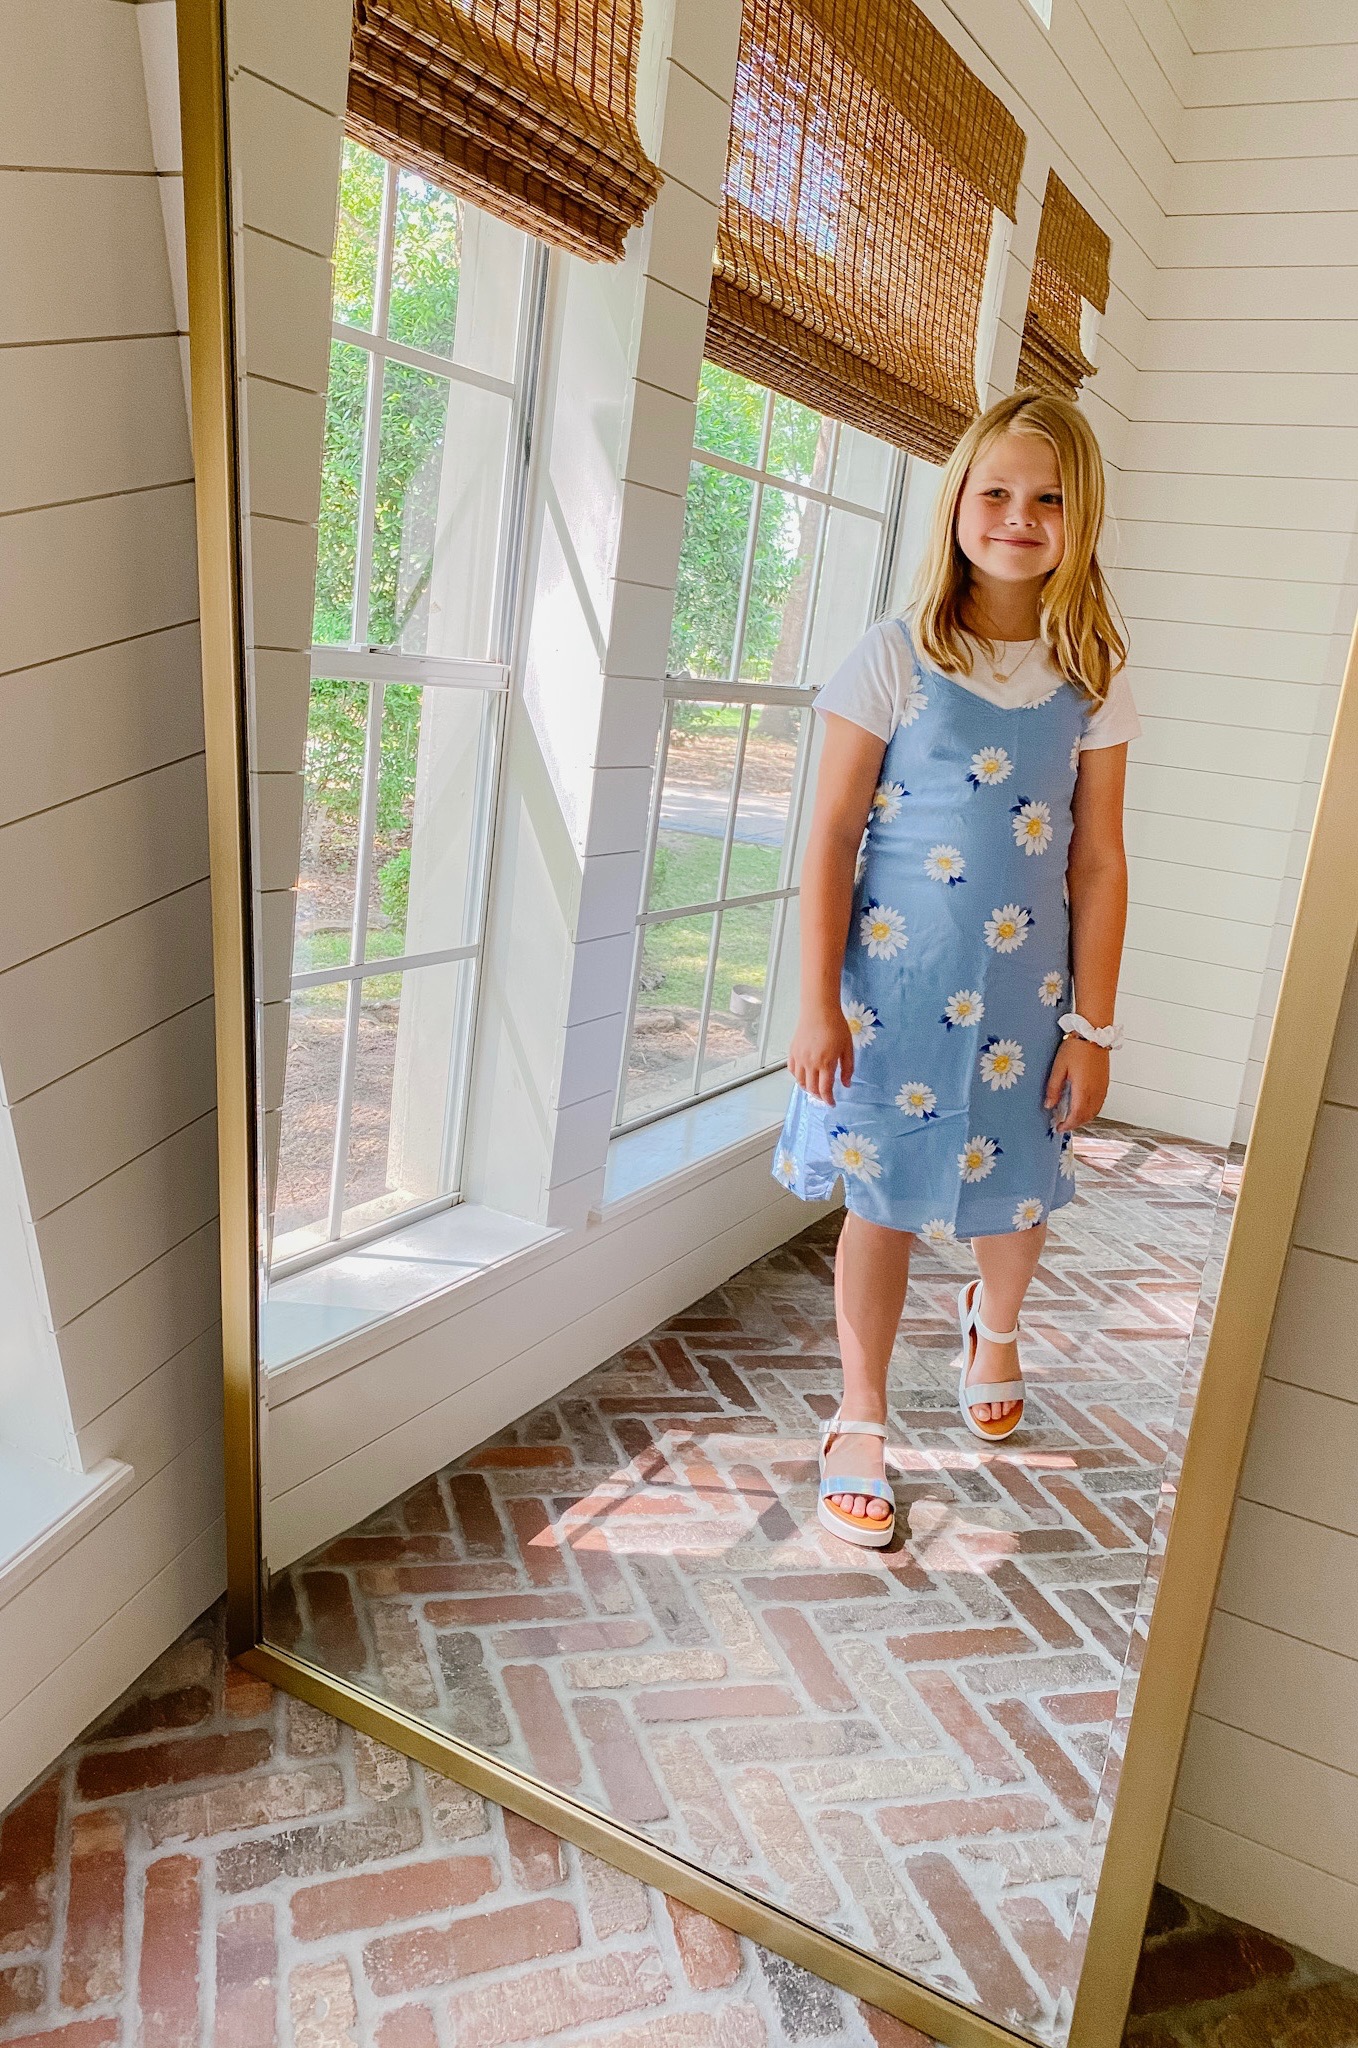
[{"x": 1109, "y": 1036}]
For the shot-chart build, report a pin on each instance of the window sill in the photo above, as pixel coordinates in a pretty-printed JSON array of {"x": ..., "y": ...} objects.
[
  {"x": 639, "y": 1161},
  {"x": 46, "y": 1509},
  {"x": 311, "y": 1311}
]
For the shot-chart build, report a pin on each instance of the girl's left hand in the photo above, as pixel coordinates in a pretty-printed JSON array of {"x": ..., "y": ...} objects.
[{"x": 1083, "y": 1069}]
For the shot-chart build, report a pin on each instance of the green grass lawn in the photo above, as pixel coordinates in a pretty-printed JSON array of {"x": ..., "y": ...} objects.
[{"x": 685, "y": 871}]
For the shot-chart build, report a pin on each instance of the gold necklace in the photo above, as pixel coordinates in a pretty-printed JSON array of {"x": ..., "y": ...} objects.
[{"x": 1007, "y": 675}]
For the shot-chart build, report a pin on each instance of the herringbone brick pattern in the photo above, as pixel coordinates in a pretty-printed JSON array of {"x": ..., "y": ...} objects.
[{"x": 628, "y": 1593}]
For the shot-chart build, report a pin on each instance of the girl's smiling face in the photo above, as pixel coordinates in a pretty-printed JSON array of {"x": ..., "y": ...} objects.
[{"x": 1010, "y": 523}]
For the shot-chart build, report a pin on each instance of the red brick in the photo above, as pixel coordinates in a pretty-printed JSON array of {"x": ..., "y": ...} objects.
[
  {"x": 410, "y": 2026},
  {"x": 334, "y": 1622},
  {"x": 92, "y": 1960},
  {"x": 1080, "y": 1709},
  {"x": 519, "y": 1457},
  {"x": 106, "y": 1774},
  {"x": 545, "y": 1728},
  {"x": 22, "y": 1991},
  {"x": 631, "y": 1791},
  {"x": 799, "y": 1587},
  {"x": 535, "y": 1536},
  {"x": 475, "y": 1510},
  {"x": 818, "y": 1676},
  {"x": 489, "y": 1941},
  {"x": 709, "y": 1952},
  {"x": 436, "y": 1549},
  {"x": 1000, "y": 1985},
  {"x": 506, "y": 1607},
  {"x": 1107, "y": 1534},
  {"x": 714, "y": 1703},
  {"x": 1037, "y": 1611},
  {"x": 409, "y": 1892},
  {"x": 572, "y": 1638},
  {"x": 678, "y": 1365},
  {"x": 608, "y": 1589},
  {"x": 181, "y": 1708},
  {"x": 28, "y": 1846},
  {"x": 80, "y": 2034},
  {"x": 529, "y": 2007},
  {"x": 247, "y": 1975},
  {"x": 889, "y": 2032},
  {"x": 323, "y": 2009},
  {"x": 246, "y": 1697},
  {"x": 423, "y": 1509},
  {"x": 168, "y": 1985},
  {"x": 948, "y": 1645},
  {"x": 956, "y": 1715},
  {"x": 535, "y": 1859},
  {"x": 379, "y": 1581},
  {"x": 1046, "y": 1756},
  {"x": 942, "y": 1820},
  {"x": 1042, "y": 1941}
]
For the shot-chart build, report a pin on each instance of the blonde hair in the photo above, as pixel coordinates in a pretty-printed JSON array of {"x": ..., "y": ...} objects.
[{"x": 1078, "y": 624}]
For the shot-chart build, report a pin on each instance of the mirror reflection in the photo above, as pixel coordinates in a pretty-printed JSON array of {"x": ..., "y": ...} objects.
[{"x": 555, "y": 534}]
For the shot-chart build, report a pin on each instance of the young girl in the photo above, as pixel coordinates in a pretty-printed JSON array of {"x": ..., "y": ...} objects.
[{"x": 940, "y": 1057}]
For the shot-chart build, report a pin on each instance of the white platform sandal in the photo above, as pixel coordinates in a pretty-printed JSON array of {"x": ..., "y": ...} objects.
[
  {"x": 858, "y": 1529},
  {"x": 984, "y": 1392}
]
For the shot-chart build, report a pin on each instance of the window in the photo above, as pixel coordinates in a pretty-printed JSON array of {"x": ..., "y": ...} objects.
[
  {"x": 436, "y": 314},
  {"x": 788, "y": 538}
]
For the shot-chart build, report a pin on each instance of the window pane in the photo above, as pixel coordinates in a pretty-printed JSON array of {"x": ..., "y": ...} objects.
[
  {"x": 864, "y": 469},
  {"x": 410, "y": 1033},
  {"x": 732, "y": 1046},
  {"x": 695, "y": 801},
  {"x": 800, "y": 443},
  {"x": 337, "y": 722},
  {"x": 356, "y": 230},
  {"x": 432, "y": 815},
  {"x": 766, "y": 781},
  {"x": 730, "y": 414},
  {"x": 664, "y": 1043},
  {"x": 426, "y": 265},
  {"x": 310, "y": 1100},
  {"x": 346, "y": 403},
  {"x": 785, "y": 558},
  {"x": 711, "y": 562},
  {"x": 436, "y": 539},
  {"x": 848, "y": 586}
]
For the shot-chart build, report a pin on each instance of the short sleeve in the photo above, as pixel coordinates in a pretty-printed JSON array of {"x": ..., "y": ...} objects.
[
  {"x": 866, "y": 687},
  {"x": 1115, "y": 722}
]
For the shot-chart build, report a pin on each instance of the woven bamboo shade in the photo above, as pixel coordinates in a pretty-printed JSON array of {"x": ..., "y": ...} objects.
[
  {"x": 864, "y": 166},
  {"x": 525, "y": 107},
  {"x": 1071, "y": 264}
]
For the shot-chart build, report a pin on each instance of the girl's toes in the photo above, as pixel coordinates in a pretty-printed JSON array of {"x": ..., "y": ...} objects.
[{"x": 877, "y": 1510}]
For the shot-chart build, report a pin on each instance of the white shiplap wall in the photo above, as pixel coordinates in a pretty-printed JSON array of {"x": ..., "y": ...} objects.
[{"x": 105, "y": 958}]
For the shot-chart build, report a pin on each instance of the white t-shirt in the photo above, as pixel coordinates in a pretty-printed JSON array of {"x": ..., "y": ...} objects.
[{"x": 869, "y": 684}]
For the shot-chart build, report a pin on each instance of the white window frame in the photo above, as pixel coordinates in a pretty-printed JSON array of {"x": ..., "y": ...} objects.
[
  {"x": 364, "y": 661},
  {"x": 751, "y": 695}
]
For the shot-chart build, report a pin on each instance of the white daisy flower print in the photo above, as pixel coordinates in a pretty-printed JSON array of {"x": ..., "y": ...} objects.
[
  {"x": 939, "y": 1232},
  {"x": 1032, "y": 824},
  {"x": 1065, "y": 1165},
  {"x": 887, "y": 799},
  {"x": 990, "y": 767},
  {"x": 1027, "y": 1215},
  {"x": 1007, "y": 927},
  {"x": 977, "y": 1158},
  {"x": 785, "y": 1167},
  {"x": 1076, "y": 746},
  {"x": 945, "y": 864},
  {"x": 882, "y": 930},
  {"x": 862, "y": 1021},
  {"x": 963, "y": 1007},
  {"x": 1002, "y": 1063},
  {"x": 1051, "y": 988},
  {"x": 854, "y": 1155},
  {"x": 913, "y": 701},
  {"x": 917, "y": 1100}
]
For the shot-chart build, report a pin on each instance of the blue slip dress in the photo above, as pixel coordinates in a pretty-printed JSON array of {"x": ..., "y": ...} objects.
[{"x": 956, "y": 970}]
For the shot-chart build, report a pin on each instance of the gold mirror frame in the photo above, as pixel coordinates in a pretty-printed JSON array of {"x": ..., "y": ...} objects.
[{"x": 1314, "y": 976}]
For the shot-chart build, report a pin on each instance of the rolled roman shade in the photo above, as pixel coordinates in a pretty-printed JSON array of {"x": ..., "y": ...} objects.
[
  {"x": 1071, "y": 265},
  {"x": 864, "y": 168},
  {"x": 525, "y": 107}
]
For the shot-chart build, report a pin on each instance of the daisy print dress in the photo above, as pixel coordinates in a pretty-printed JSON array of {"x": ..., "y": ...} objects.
[{"x": 956, "y": 970}]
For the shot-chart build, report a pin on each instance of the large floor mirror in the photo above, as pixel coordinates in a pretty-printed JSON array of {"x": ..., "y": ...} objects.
[{"x": 527, "y": 1357}]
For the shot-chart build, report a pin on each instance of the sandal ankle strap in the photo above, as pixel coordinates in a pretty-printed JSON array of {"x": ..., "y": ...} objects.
[
  {"x": 984, "y": 1329},
  {"x": 835, "y": 1427}
]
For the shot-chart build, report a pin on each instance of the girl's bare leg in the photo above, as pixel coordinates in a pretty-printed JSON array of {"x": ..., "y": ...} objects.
[
  {"x": 872, "y": 1271},
  {"x": 1007, "y": 1265}
]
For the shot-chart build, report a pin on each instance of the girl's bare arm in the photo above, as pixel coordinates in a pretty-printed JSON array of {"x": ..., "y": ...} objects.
[
  {"x": 850, "y": 762},
  {"x": 1097, "y": 878}
]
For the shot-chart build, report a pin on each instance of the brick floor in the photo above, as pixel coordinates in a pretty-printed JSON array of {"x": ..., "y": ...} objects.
[{"x": 628, "y": 1592}]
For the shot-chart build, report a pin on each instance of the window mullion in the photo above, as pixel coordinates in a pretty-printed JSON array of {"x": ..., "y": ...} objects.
[
  {"x": 813, "y": 592},
  {"x": 652, "y": 835},
  {"x": 372, "y": 423},
  {"x": 723, "y": 875},
  {"x": 367, "y": 823}
]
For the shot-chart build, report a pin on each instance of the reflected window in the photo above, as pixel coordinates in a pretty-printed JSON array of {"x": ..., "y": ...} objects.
[
  {"x": 435, "y": 319},
  {"x": 789, "y": 534}
]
